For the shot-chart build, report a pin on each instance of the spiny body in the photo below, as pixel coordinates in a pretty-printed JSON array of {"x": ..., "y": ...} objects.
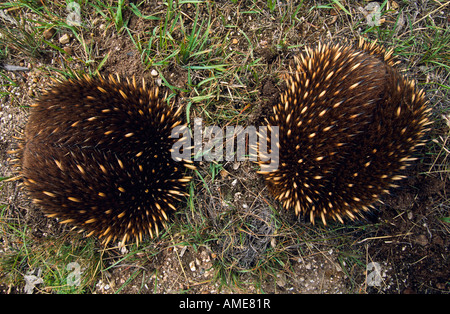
[
  {"x": 97, "y": 154},
  {"x": 348, "y": 123}
]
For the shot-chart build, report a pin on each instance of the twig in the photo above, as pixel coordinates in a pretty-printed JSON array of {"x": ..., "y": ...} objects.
[
  {"x": 384, "y": 237},
  {"x": 445, "y": 4}
]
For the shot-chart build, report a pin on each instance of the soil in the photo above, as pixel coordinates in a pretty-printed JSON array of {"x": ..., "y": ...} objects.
[
  {"x": 406, "y": 235},
  {"x": 419, "y": 255}
]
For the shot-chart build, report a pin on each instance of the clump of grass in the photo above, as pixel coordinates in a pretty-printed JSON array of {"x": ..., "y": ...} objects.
[
  {"x": 60, "y": 265},
  {"x": 184, "y": 38},
  {"x": 113, "y": 13},
  {"x": 24, "y": 40}
]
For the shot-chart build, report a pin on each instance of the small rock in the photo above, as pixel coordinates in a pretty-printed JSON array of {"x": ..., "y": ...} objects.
[
  {"x": 394, "y": 5},
  {"x": 64, "y": 39},
  {"x": 223, "y": 173},
  {"x": 192, "y": 266},
  {"x": 68, "y": 50},
  {"x": 48, "y": 33},
  {"x": 422, "y": 240},
  {"x": 281, "y": 280},
  {"x": 205, "y": 257}
]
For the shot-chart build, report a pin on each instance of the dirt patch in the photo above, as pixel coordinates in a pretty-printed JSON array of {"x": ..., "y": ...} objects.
[
  {"x": 174, "y": 270},
  {"x": 123, "y": 58},
  {"x": 416, "y": 246}
]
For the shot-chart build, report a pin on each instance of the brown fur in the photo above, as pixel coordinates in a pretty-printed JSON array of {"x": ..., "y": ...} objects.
[
  {"x": 348, "y": 123},
  {"x": 96, "y": 155}
]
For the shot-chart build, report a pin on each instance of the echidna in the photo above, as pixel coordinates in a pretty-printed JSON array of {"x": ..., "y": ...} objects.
[
  {"x": 348, "y": 124},
  {"x": 97, "y": 155}
]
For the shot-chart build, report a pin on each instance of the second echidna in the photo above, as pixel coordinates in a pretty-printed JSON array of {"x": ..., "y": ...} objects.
[
  {"x": 348, "y": 123},
  {"x": 97, "y": 155}
]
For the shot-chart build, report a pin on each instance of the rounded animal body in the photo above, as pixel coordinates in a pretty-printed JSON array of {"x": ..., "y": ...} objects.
[
  {"x": 348, "y": 124},
  {"x": 97, "y": 154}
]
